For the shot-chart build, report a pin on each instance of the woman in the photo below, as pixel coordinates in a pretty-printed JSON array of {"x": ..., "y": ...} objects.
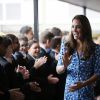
[{"x": 81, "y": 60}]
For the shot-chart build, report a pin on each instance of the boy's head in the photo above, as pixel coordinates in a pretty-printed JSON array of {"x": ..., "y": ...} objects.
[
  {"x": 56, "y": 42},
  {"x": 46, "y": 38},
  {"x": 23, "y": 41},
  {"x": 4, "y": 43},
  {"x": 56, "y": 31},
  {"x": 15, "y": 42},
  {"x": 34, "y": 48},
  {"x": 27, "y": 31}
]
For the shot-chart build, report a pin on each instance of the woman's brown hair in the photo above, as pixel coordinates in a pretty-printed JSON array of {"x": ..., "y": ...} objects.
[{"x": 87, "y": 41}]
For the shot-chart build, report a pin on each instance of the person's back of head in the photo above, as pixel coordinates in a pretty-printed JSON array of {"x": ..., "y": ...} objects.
[
  {"x": 56, "y": 42},
  {"x": 6, "y": 41},
  {"x": 56, "y": 31},
  {"x": 46, "y": 38},
  {"x": 27, "y": 31},
  {"x": 46, "y": 35},
  {"x": 11, "y": 36},
  {"x": 22, "y": 38}
]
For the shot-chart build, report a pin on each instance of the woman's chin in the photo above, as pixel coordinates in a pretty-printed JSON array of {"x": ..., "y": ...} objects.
[{"x": 76, "y": 37}]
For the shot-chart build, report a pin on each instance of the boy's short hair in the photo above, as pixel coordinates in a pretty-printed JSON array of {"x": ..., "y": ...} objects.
[
  {"x": 56, "y": 31},
  {"x": 12, "y": 37},
  {"x": 24, "y": 38},
  {"x": 31, "y": 42},
  {"x": 25, "y": 29},
  {"x": 55, "y": 41},
  {"x": 46, "y": 35},
  {"x": 5, "y": 40}
]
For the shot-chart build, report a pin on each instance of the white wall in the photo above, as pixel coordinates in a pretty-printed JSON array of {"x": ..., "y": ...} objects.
[{"x": 14, "y": 14}]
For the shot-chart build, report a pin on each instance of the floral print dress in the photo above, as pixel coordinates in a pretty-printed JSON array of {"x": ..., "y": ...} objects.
[{"x": 80, "y": 70}]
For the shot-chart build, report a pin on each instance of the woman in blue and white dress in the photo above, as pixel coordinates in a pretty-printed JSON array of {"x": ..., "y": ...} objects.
[{"x": 81, "y": 60}]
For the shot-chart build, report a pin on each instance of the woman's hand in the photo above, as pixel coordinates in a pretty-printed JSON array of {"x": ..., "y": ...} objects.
[
  {"x": 66, "y": 61},
  {"x": 79, "y": 85},
  {"x": 76, "y": 86}
]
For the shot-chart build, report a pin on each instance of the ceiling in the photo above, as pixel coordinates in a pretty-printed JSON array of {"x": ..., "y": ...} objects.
[{"x": 90, "y": 4}]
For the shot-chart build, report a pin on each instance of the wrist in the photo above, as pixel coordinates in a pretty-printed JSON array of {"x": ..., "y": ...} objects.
[
  {"x": 35, "y": 66},
  {"x": 60, "y": 69},
  {"x": 84, "y": 83}
]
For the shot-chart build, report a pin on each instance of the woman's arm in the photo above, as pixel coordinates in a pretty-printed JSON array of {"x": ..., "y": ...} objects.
[
  {"x": 60, "y": 69},
  {"x": 66, "y": 61},
  {"x": 80, "y": 85},
  {"x": 63, "y": 58},
  {"x": 90, "y": 80}
]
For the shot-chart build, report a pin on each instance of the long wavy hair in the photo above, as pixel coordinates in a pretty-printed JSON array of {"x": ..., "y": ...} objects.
[{"x": 87, "y": 41}]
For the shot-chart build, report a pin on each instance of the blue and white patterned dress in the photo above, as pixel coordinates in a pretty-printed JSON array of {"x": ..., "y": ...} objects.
[{"x": 80, "y": 70}]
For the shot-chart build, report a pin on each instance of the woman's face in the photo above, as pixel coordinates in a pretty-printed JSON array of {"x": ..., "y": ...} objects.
[
  {"x": 34, "y": 50},
  {"x": 76, "y": 29}
]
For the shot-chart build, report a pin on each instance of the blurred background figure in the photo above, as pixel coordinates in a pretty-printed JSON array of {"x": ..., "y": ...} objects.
[
  {"x": 56, "y": 31},
  {"x": 27, "y": 31}
]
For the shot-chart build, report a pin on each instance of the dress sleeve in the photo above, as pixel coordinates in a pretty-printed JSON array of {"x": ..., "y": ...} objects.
[
  {"x": 61, "y": 53},
  {"x": 97, "y": 61}
]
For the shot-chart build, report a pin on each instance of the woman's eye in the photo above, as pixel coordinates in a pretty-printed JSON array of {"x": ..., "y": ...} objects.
[{"x": 78, "y": 26}]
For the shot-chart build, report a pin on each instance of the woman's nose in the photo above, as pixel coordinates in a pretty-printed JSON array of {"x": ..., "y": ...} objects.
[{"x": 74, "y": 29}]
